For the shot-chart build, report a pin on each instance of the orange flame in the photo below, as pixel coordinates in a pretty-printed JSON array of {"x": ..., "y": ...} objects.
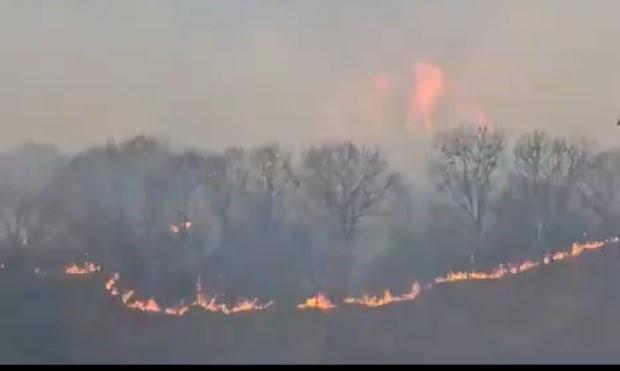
[
  {"x": 576, "y": 250},
  {"x": 86, "y": 268},
  {"x": 177, "y": 311},
  {"x": 149, "y": 305},
  {"x": 387, "y": 298},
  {"x": 211, "y": 304},
  {"x": 319, "y": 301},
  {"x": 110, "y": 285},
  {"x": 523, "y": 267},
  {"x": 322, "y": 303},
  {"x": 503, "y": 270},
  {"x": 480, "y": 116},
  {"x": 183, "y": 226},
  {"x": 429, "y": 87},
  {"x": 382, "y": 83},
  {"x": 126, "y": 296}
]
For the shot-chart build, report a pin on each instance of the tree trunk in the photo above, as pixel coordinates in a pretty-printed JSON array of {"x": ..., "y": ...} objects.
[
  {"x": 342, "y": 263},
  {"x": 269, "y": 213}
]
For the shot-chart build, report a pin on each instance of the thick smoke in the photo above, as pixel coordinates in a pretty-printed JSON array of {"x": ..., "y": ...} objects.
[{"x": 279, "y": 150}]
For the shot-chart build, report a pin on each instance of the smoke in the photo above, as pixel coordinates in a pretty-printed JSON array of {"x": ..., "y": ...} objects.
[
  {"x": 429, "y": 86},
  {"x": 294, "y": 72},
  {"x": 242, "y": 74},
  {"x": 383, "y": 83}
]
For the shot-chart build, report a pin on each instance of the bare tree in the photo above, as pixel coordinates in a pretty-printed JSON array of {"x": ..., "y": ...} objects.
[
  {"x": 26, "y": 217},
  {"x": 601, "y": 188},
  {"x": 189, "y": 175},
  {"x": 464, "y": 161},
  {"x": 532, "y": 154},
  {"x": 551, "y": 170},
  {"x": 272, "y": 175},
  {"x": 17, "y": 214},
  {"x": 570, "y": 162},
  {"x": 350, "y": 182},
  {"x": 226, "y": 174},
  {"x": 533, "y": 166}
]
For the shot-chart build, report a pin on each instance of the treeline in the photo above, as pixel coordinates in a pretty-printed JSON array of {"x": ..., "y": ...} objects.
[{"x": 265, "y": 221}]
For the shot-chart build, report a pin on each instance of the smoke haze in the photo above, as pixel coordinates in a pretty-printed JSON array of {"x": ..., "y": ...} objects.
[{"x": 222, "y": 73}]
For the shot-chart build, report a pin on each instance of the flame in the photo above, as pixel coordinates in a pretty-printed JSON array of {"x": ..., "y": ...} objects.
[
  {"x": 429, "y": 87},
  {"x": 211, "y": 304},
  {"x": 126, "y": 296},
  {"x": 110, "y": 285},
  {"x": 178, "y": 228},
  {"x": 480, "y": 117},
  {"x": 322, "y": 303},
  {"x": 39, "y": 272},
  {"x": 504, "y": 269},
  {"x": 319, "y": 301},
  {"x": 496, "y": 273},
  {"x": 177, "y": 311},
  {"x": 86, "y": 268},
  {"x": 249, "y": 306},
  {"x": 576, "y": 250},
  {"x": 471, "y": 112},
  {"x": 383, "y": 83},
  {"x": 149, "y": 305},
  {"x": 152, "y": 306},
  {"x": 387, "y": 298},
  {"x": 523, "y": 267}
]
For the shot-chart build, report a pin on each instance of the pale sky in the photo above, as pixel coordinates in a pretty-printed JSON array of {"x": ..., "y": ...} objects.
[{"x": 242, "y": 72}]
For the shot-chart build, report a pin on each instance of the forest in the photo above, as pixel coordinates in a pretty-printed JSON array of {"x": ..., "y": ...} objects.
[{"x": 268, "y": 223}]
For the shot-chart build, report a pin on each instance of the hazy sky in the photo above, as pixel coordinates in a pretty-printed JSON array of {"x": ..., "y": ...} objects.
[{"x": 215, "y": 73}]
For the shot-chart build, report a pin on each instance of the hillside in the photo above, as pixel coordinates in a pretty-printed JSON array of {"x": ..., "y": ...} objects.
[{"x": 564, "y": 312}]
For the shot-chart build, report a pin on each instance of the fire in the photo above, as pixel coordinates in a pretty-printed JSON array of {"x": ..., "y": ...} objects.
[
  {"x": 39, "y": 272},
  {"x": 479, "y": 116},
  {"x": 177, "y": 311},
  {"x": 576, "y": 250},
  {"x": 319, "y": 301},
  {"x": 525, "y": 266},
  {"x": 110, "y": 285},
  {"x": 249, "y": 306},
  {"x": 382, "y": 83},
  {"x": 504, "y": 269},
  {"x": 471, "y": 112},
  {"x": 86, "y": 268},
  {"x": 149, "y": 305},
  {"x": 211, "y": 304},
  {"x": 496, "y": 273},
  {"x": 183, "y": 226},
  {"x": 126, "y": 296},
  {"x": 387, "y": 298},
  {"x": 429, "y": 87}
]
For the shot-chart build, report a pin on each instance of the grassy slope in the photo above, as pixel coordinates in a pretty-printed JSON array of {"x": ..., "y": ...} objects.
[{"x": 562, "y": 313}]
